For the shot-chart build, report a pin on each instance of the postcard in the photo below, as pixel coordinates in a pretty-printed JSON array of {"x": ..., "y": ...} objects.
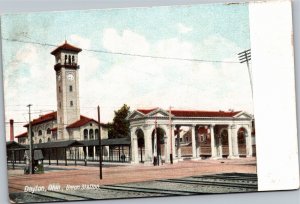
[{"x": 149, "y": 102}]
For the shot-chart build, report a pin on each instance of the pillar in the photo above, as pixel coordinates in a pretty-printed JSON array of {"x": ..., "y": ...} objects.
[
  {"x": 148, "y": 144},
  {"x": 230, "y": 147},
  {"x": 178, "y": 149},
  {"x": 248, "y": 142},
  {"x": 212, "y": 142},
  {"x": 198, "y": 139},
  {"x": 235, "y": 146},
  {"x": 193, "y": 142},
  {"x": 134, "y": 147}
]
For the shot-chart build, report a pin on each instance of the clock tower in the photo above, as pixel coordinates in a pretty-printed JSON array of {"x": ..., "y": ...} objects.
[{"x": 67, "y": 87}]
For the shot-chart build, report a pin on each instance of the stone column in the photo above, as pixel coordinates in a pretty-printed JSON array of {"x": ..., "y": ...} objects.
[
  {"x": 248, "y": 142},
  {"x": 178, "y": 143},
  {"x": 230, "y": 148},
  {"x": 193, "y": 142},
  {"x": 235, "y": 146},
  {"x": 198, "y": 140},
  {"x": 148, "y": 144},
  {"x": 212, "y": 142},
  {"x": 173, "y": 145},
  {"x": 134, "y": 147}
]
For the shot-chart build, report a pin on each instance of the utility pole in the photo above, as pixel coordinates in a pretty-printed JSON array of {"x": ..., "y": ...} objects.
[
  {"x": 30, "y": 142},
  {"x": 170, "y": 123},
  {"x": 245, "y": 56},
  {"x": 100, "y": 145}
]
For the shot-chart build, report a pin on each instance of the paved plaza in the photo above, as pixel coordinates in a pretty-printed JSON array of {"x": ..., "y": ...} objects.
[{"x": 131, "y": 181}]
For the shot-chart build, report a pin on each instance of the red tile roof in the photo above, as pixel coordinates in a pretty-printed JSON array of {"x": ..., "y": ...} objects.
[
  {"x": 189, "y": 113},
  {"x": 146, "y": 111},
  {"x": 194, "y": 113},
  {"x": 66, "y": 46},
  {"x": 83, "y": 120},
  {"x": 22, "y": 135},
  {"x": 44, "y": 118},
  {"x": 54, "y": 129}
]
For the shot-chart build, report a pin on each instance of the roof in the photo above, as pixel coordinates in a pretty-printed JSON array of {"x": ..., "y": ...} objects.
[
  {"x": 190, "y": 113},
  {"x": 25, "y": 134},
  {"x": 54, "y": 129},
  {"x": 146, "y": 111},
  {"x": 43, "y": 118},
  {"x": 194, "y": 113},
  {"x": 10, "y": 145},
  {"x": 66, "y": 46},
  {"x": 107, "y": 142},
  {"x": 82, "y": 121},
  {"x": 57, "y": 144}
]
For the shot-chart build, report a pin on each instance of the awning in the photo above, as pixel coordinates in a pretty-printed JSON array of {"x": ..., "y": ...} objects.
[
  {"x": 12, "y": 145},
  {"x": 57, "y": 144},
  {"x": 107, "y": 142}
]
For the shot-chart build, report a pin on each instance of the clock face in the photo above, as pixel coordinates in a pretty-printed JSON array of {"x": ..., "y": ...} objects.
[{"x": 70, "y": 77}]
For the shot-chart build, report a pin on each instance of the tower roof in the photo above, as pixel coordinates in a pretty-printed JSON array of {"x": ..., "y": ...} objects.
[{"x": 67, "y": 47}]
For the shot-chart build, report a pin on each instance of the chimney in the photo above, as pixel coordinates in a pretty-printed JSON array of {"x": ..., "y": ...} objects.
[{"x": 11, "y": 122}]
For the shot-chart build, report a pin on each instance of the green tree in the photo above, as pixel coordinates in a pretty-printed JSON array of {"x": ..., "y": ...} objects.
[{"x": 120, "y": 126}]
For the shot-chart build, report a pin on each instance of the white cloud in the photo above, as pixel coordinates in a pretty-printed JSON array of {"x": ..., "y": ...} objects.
[{"x": 183, "y": 28}]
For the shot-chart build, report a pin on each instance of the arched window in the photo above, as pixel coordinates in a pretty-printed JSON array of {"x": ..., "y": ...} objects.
[
  {"x": 96, "y": 134},
  {"x": 48, "y": 131},
  {"x": 85, "y": 134},
  {"x": 49, "y": 140},
  {"x": 40, "y": 132},
  {"x": 40, "y": 141},
  {"x": 73, "y": 59},
  {"x": 66, "y": 58},
  {"x": 69, "y": 59},
  {"x": 91, "y": 133}
]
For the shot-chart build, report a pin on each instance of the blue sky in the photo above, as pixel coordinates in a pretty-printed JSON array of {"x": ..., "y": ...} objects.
[{"x": 207, "y": 32}]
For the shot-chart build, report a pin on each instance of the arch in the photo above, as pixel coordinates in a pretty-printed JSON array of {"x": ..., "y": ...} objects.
[
  {"x": 160, "y": 143},
  {"x": 85, "y": 134},
  {"x": 69, "y": 60},
  {"x": 49, "y": 140},
  {"x": 97, "y": 134},
  {"x": 241, "y": 137},
  {"x": 40, "y": 140},
  {"x": 141, "y": 144},
  {"x": 40, "y": 132},
  {"x": 224, "y": 142},
  {"x": 73, "y": 59},
  {"x": 204, "y": 141},
  {"x": 91, "y": 134}
]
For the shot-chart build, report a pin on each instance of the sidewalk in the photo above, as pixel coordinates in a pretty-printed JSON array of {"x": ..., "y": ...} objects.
[{"x": 77, "y": 175}]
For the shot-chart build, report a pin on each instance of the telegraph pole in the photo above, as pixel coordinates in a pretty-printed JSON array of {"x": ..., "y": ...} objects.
[
  {"x": 170, "y": 123},
  {"x": 245, "y": 56},
  {"x": 30, "y": 142},
  {"x": 100, "y": 145}
]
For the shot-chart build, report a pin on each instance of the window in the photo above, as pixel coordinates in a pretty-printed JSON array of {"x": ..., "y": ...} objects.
[
  {"x": 96, "y": 134},
  {"x": 40, "y": 141},
  {"x": 69, "y": 59},
  {"x": 85, "y": 134},
  {"x": 49, "y": 140},
  {"x": 91, "y": 133},
  {"x": 40, "y": 132},
  {"x": 66, "y": 57},
  {"x": 71, "y": 103},
  {"x": 73, "y": 59},
  {"x": 48, "y": 131},
  {"x": 70, "y": 88}
]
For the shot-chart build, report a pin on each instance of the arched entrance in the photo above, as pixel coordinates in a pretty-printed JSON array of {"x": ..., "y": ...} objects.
[
  {"x": 141, "y": 144},
  {"x": 160, "y": 145},
  {"x": 242, "y": 133},
  {"x": 203, "y": 140},
  {"x": 224, "y": 141}
]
